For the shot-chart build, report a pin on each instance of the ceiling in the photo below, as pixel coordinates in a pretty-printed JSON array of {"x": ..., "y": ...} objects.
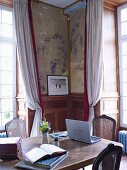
[
  {"x": 66, "y": 3},
  {"x": 59, "y": 3},
  {"x": 118, "y": 1}
]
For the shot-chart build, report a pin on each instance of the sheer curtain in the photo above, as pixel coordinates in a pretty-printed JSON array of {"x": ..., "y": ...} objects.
[
  {"x": 27, "y": 61},
  {"x": 94, "y": 59}
]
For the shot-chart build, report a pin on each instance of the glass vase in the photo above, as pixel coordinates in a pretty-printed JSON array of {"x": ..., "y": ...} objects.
[{"x": 45, "y": 138}]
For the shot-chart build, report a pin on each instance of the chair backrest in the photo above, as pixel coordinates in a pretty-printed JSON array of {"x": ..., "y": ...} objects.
[
  {"x": 105, "y": 127},
  {"x": 16, "y": 128},
  {"x": 108, "y": 159}
]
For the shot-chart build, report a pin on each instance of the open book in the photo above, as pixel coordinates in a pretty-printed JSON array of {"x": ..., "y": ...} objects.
[
  {"x": 44, "y": 151},
  {"x": 49, "y": 163}
]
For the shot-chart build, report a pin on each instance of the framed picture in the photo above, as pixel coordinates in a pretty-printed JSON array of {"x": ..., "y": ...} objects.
[{"x": 57, "y": 85}]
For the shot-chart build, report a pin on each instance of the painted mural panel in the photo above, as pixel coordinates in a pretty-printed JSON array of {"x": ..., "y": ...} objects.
[
  {"x": 77, "y": 25},
  {"x": 50, "y": 27}
]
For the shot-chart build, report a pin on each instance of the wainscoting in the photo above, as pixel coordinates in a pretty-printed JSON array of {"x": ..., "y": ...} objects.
[{"x": 58, "y": 108}]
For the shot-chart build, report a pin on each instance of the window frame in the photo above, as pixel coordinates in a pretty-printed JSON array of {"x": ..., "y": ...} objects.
[
  {"x": 13, "y": 42},
  {"x": 121, "y": 38}
]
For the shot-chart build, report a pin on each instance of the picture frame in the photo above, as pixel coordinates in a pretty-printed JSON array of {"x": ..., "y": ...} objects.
[{"x": 57, "y": 85}]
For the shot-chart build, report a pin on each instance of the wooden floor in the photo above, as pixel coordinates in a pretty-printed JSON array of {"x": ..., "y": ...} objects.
[{"x": 123, "y": 164}]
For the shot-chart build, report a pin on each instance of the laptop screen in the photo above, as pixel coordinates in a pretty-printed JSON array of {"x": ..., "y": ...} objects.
[{"x": 78, "y": 130}]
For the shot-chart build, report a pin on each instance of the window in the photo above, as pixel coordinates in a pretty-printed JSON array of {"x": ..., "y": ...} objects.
[
  {"x": 7, "y": 66},
  {"x": 122, "y": 40}
]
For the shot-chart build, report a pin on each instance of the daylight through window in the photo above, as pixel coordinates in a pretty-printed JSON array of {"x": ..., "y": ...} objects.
[
  {"x": 122, "y": 34},
  {"x": 7, "y": 66}
]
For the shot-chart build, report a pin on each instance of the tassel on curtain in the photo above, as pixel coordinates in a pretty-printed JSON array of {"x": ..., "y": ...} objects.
[{"x": 27, "y": 61}]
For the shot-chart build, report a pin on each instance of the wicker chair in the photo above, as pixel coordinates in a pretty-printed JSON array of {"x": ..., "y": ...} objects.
[
  {"x": 105, "y": 127},
  {"x": 108, "y": 159},
  {"x": 16, "y": 128}
]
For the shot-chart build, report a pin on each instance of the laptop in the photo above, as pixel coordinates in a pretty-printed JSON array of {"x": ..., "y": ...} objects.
[{"x": 80, "y": 131}]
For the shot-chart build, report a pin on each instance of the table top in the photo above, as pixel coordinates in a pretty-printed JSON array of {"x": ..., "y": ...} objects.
[{"x": 79, "y": 154}]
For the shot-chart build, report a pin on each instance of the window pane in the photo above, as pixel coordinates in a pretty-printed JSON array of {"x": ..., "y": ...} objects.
[
  {"x": 6, "y": 49},
  {"x": 6, "y": 91},
  {"x": 125, "y": 117},
  {"x": 124, "y": 28},
  {"x": 7, "y": 31},
  {"x": 6, "y": 17},
  {"x": 6, "y": 77},
  {"x": 7, "y": 105},
  {"x": 124, "y": 89},
  {"x": 122, "y": 36},
  {"x": 0, "y": 29},
  {"x": 6, "y": 117},
  {"x": 124, "y": 14},
  {"x": 124, "y": 103},
  {"x": 6, "y": 63},
  {"x": 124, "y": 75},
  {"x": 7, "y": 66},
  {"x": 0, "y": 15},
  {"x": 124, "y": 61},
  {"x": 124, "y": 48}
]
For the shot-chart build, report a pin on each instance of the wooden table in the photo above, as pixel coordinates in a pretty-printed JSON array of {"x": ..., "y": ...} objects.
[{"x": 79, "y": 154}]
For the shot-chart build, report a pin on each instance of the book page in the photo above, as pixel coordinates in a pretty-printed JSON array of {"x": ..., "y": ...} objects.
[
  {"x": 49, "y": 148},
  {"x": 35, "y": 154}
]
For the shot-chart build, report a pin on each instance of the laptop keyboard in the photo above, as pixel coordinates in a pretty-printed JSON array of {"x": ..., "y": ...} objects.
[{"x": 95, "y": 138}]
